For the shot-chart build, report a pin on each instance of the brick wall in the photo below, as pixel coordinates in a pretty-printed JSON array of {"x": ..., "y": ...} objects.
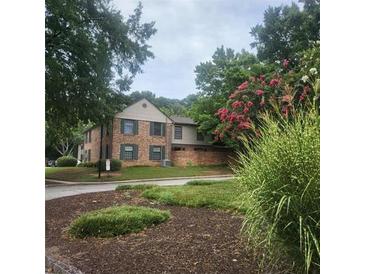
[
  {"x": 143, "y": 140},
  {"x": 211, "y": 156},
  {"x": 94, "y": 145}
]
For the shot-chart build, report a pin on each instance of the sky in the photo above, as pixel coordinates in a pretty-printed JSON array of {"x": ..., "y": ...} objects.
[{"x": 188, "y": 33}]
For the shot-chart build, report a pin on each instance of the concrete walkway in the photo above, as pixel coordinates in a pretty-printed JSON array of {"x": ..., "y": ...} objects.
[{"x": 57, "y": 191}]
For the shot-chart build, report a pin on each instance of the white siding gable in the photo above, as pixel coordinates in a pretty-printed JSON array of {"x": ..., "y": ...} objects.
[
  {"x": 189, "y": 136},
  {"x": 143, "y": 110}
]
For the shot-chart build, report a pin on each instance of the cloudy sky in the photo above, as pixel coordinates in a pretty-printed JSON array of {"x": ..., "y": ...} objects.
[{"x": 188, "y": 32}]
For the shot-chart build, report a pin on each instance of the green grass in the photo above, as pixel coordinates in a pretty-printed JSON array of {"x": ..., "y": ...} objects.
[
  {"x": 218, "y": 194},
  {"x": 84, "y": 174},
  {"x": 114, "y": 221}
]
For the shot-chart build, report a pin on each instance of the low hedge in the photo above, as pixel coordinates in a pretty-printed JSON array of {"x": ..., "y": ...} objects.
[
  {"x": 115, "y": 165},
  {"x": 66, "y": 161}
]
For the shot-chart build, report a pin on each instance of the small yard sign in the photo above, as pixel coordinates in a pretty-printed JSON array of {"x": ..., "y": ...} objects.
[{"x": 107, "y": 164}]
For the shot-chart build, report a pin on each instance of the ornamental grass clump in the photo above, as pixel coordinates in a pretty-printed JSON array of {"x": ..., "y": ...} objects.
[
  {"x": 118, "y": 220},
  {"x": 279, "y": 175}
]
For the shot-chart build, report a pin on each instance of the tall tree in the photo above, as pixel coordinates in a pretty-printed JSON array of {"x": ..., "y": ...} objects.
[
  {"x": 286, "y": 31},
  {"x": 216, "y": 79},
  {"x": 92, "y": 54}
]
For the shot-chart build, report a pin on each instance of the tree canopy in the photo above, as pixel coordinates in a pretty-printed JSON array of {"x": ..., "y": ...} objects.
[
  {"x": 215, "y": 80},
  {"x": 167, "y": 105},
  {"x": 92, "y": 54},
  {"x": 286, "y": 31}
]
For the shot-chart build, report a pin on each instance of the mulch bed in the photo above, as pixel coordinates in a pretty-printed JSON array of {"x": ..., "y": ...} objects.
[{"x": 194, "y": 240}]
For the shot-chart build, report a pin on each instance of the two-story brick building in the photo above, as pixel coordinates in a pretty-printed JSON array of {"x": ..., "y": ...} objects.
[{"x": 143, "y": 135}]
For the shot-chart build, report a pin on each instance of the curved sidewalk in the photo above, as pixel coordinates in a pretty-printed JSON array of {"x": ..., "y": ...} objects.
[{"x": 73, "y": 188}]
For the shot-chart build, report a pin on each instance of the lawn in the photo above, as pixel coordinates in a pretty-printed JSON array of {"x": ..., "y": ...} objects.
[
  {"x": 85, "y": 174},
  {"x": 211, "y": 194}
]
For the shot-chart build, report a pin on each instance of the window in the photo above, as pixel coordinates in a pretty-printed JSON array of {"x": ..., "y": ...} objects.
[
  {"x": 178, "y": 148},
  {"x": 129, "y": 152},
  {"x": 85, "y": 137},
  {"x": 199, "y": 136},
  {"x": 157, "y": 129},
  {"x": 178, "y": 132},
  {"x": 128, "y": 127},
  {"x": 157, "y": 152},
  {"x": 89, "y": 139},
  {"x": 89, "y": 155}
]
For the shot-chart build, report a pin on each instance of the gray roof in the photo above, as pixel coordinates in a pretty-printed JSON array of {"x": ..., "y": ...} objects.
[{"x": 183, "y": 120}]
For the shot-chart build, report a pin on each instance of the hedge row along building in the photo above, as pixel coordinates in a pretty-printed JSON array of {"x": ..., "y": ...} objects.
[{"x": 142, "y": 135}]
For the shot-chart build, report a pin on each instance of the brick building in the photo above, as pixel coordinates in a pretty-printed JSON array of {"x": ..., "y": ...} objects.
[{"x": 141, "y": 135}]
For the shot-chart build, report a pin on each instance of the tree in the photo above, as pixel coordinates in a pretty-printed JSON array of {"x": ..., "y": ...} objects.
[
  {"x": 215, "y": 80},
  {"x": 167, "y": 105},
  {"x": 286, "y": 31},
  {"x": 64, "y": 142},
  {"x": 92, "y": 55}
]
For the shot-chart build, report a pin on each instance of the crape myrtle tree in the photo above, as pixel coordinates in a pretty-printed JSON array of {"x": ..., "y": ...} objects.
[
  {"x": 92, "y": 55},
  {"x": 215, "y": 80}
]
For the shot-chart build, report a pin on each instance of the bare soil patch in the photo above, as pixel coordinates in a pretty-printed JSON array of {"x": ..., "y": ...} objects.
[{"x": 194, "y": 240}]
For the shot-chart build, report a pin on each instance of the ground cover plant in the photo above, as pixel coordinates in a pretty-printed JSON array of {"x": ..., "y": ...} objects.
[
  {"x": 89, "y": 174},
  {"x": 280, "y": 179},
  {"x": 114, "y": 221},
  {"x": 134, "y": 187},
  {"x": 218, "y": 194}
]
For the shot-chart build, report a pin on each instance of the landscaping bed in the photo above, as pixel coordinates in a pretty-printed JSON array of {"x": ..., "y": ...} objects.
[{"x": 193, "y": 240}]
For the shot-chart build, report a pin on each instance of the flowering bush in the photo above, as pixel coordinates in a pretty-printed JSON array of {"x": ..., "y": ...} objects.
[{"x": 284, "y": 90}]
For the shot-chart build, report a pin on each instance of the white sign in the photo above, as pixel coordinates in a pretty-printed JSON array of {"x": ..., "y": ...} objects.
[{"x": 107, "y": 164}]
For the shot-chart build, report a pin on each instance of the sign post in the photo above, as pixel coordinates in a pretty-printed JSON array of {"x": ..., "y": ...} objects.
[{"x": 107, "y": 166}]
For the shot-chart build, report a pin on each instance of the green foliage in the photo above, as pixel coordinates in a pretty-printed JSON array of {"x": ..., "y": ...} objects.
[
  {"x": 220, "y": 195},
  {"x": 286, "y": 31},
  {"x": 203, "y": 182},
  {"x": 216, "y": 79},
  {"x": 88, "y": 164},
  {"x": 280, "y": 176},
  {"x": 166, "y": 105},
  {"x": 66, "y": 161},
  {"x": 134, "y": 187},
  {"x": 115, "y": 164},
  {"x": 92, "y": 54},
  {"x": 114, "y": 221}
]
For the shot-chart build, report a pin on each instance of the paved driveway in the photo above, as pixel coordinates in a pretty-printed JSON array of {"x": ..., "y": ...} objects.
[{"x": 58, "y": 191}]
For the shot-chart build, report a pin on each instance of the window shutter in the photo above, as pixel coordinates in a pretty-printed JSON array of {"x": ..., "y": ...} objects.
[
  {"x": 163, "y": 130},
  {"x": 151, "y": 150},
  {"x": 135, "y": 152},
  {"x": 151, "y": 128},
  {"x": 163, "y": 153},
  {"x": 135, "y": 127},
  {"x": 122, "y": 126},
  {"x": 121, "y": 152}
]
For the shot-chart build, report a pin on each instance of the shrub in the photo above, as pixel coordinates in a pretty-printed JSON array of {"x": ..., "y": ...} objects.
[
  {"x": 280, "y": 176},
  {"x": 66, "y": 161},
  {"x": 203, "y": 182},
  {"x": 87, "y": 164},
  {"x": 113, "y": 221},
  {"x": 135, "y": 187},
  {"x": 115, "y": 165}
]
